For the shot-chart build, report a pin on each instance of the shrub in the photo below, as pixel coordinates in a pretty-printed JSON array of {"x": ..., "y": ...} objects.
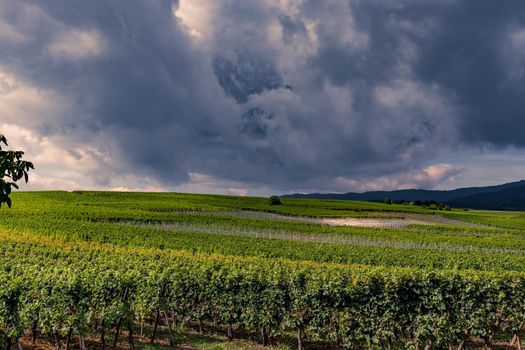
[{"x": 274, "y": 200}]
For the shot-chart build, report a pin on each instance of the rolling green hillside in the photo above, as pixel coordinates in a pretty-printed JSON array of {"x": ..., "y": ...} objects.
[{"x": 334, "y": 272}]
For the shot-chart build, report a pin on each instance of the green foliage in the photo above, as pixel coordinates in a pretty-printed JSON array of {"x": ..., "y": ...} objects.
[
  {"x": 274, "y": 200},
  {"x": 349, "y": 306},
  {"x": 76, "y": 261},
  {"x": 506, "y": 219},
  {"x": 12, "y": 169},
  {"x": 387, "y": 200},
  {"x": 183, "y": 222}
]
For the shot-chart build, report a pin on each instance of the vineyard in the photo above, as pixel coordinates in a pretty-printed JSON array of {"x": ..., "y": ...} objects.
[{"x": 97, "y": 269}]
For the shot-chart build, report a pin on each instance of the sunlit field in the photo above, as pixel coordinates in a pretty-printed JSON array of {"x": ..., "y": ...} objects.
[{"x": 223, "y": 272}]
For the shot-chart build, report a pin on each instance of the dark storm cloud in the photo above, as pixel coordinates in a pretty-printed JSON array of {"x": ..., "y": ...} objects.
[
  {"x": 470, "y": 49},
  {"x": 244, "y": 76},
  {"x": 144, "y": 92},
  {"x": 474, "y": 58},
  {"x": 289, "y": 96}
]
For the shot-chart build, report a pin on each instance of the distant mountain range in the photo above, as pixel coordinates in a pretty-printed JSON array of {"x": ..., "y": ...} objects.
[{"x": 509, "y": 196}]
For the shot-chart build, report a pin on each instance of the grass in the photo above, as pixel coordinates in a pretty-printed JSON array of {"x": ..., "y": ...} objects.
[
  {"x": 248, "y": 227},
  {"x": 503, "y": 219},
  {"x": 241, "y": 226}
]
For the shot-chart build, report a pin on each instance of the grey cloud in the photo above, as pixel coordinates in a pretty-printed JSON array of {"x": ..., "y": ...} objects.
[
  {"x": 292, "y": 28},
  {"x": 290, "y": 97},
  {"x": 255, "y": 123},
  {"x": 243, "y": 76},
  {"x": 469, "y": 59},
  {"x": 147, "y": 93}
]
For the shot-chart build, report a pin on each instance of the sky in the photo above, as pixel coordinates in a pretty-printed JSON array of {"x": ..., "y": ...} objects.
[{"x": 264, "y": 96}]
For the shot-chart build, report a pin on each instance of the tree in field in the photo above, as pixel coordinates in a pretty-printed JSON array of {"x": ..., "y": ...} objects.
[
  {"x": 387, "y": 200},
  {"x": 12, "y": 169},
  {"x": 274, "y": 200}
]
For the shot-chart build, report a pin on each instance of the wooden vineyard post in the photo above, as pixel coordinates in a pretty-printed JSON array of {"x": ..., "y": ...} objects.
[
  {"x": 157, "y": 316},
  {"x": 299, "y": 338},
  {"x": 119, "y": 324}
]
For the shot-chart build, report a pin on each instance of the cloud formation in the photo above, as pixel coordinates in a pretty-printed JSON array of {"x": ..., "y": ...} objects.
[{"x": 275, "y": 95}]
